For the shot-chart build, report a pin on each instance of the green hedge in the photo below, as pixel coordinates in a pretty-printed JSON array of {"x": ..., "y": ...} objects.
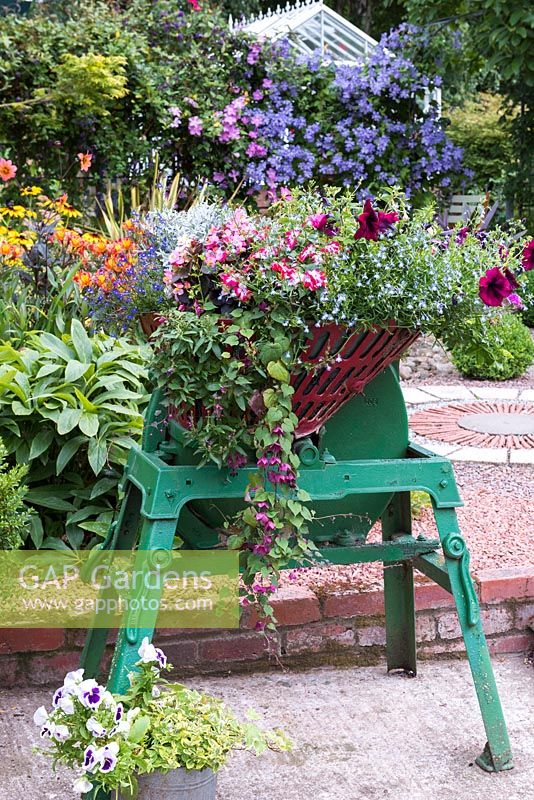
[{"x": 498, "y": 349}]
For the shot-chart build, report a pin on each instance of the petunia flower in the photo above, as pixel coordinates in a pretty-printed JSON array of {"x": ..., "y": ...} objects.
[
  {"x": 494, "y": 287},
  {"x": 7, "y": 169},
  {"x": 528, "y": 256},
  {"x": 373, "y": 222}
]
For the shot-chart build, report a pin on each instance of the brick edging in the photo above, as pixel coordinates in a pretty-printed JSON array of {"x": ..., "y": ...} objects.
[{"x": 329, "y": 625}]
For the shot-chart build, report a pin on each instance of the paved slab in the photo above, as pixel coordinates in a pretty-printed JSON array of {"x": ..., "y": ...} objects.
[
  {"x": 494, "y": 392},
  {"x": 486, "y": 455},
  {"x": 414, "y": 396},
  {"x": 359, "y": 734}
]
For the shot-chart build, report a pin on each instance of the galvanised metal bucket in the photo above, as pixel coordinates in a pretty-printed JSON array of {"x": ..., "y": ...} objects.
[{"x": 178, "y": 784}]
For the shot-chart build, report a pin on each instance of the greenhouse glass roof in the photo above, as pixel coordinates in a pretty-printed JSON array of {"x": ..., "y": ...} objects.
[{"x": 312, "y": 27}]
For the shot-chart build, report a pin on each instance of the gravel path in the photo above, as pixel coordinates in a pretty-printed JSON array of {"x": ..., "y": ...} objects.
[{"x": 496, "y": 522}]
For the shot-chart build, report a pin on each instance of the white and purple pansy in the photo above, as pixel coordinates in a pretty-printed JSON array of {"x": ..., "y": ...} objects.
[
  {"x": 90, "y": 693},
  {"x": 81, "y": 785},
  {"x": 95, "y": 727},
  {"x": 61, "y": 733},
  {"x": 119, "y": 711},
  {"x": 89, "y": 758},
  {"x": 149, "y": 654},
  {"x": 108, "y": 757}
]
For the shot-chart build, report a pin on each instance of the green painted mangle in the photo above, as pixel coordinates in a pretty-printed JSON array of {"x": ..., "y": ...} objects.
[{"x": 359, "y": 467}]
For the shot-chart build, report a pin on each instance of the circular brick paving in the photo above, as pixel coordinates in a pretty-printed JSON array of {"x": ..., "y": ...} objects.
[{"x": 479, "y": 424}]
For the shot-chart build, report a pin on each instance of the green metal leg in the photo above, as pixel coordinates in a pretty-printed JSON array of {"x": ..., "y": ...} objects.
[
  {"x": 123, "y": 538},
  {"x": 497, "y": 753},
  {"x": 157, "y": 536},
  {"x": 399, "y": 592}
]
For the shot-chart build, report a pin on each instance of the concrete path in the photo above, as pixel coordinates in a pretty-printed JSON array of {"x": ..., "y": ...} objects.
[{"x": 359, "y": 734}]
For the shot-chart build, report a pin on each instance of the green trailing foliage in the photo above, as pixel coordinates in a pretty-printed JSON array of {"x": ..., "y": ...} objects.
[
  {"x": 498, "y": 349},
  {"x": 70, "y": 409},
  {"x": 14, "y": 517}
]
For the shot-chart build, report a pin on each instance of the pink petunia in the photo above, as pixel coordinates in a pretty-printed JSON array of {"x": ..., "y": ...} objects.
[{"x": 494, "y": 287}]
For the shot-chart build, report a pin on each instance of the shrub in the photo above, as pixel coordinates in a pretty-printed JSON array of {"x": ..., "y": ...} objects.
[
  {"x": 70, "y": 409},
  {"x": 13, "y": 516},
  {"x": 121, "y": 81},
  {"x": 498, "y": 349}
]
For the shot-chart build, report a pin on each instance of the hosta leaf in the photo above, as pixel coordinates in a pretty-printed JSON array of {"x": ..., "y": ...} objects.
[
  {"x": 57, "y": 346},
  {"x": 81, "y": 342},
  {"x": 75, "y": 370}
]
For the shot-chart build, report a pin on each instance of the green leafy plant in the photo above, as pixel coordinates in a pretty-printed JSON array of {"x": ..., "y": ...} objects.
[
  {"x": 14, "y": 517},
  {"x": 70, "y": 408},
  {"x": 497, "y": 348},
  {"x": 110, "y": 739}
]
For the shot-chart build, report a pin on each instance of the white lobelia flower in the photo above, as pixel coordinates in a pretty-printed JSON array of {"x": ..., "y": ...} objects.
[
  {"x": 61, "y": 733},
  {"x": 94, "y": 727},
  {"x": 82, "y": 785},
  {"x": 147, "y": 652},
  {"x": 40, "y": 716}
]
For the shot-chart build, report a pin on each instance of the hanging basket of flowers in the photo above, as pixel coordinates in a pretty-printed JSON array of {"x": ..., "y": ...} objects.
[{"x": 264, "y": 326}]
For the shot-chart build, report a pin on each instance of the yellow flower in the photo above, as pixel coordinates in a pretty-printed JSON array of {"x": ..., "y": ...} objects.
[
  {"x": 14, "y": 211},
  {"x": 31, "y": 191}
]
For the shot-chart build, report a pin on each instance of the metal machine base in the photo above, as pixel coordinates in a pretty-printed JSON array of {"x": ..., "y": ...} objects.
[{"x": 156, "y": 493}]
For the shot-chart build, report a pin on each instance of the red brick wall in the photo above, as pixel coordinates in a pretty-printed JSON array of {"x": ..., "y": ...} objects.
[{"x": 330, "y": 626}]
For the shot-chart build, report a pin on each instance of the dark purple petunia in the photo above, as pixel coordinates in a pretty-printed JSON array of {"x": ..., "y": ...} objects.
[
  {"x": 373, "y": 222},
  {"x": 510, "y": 277},
  {"x": 528, "y": 256},
  {"x": 494, "y": 287}
]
